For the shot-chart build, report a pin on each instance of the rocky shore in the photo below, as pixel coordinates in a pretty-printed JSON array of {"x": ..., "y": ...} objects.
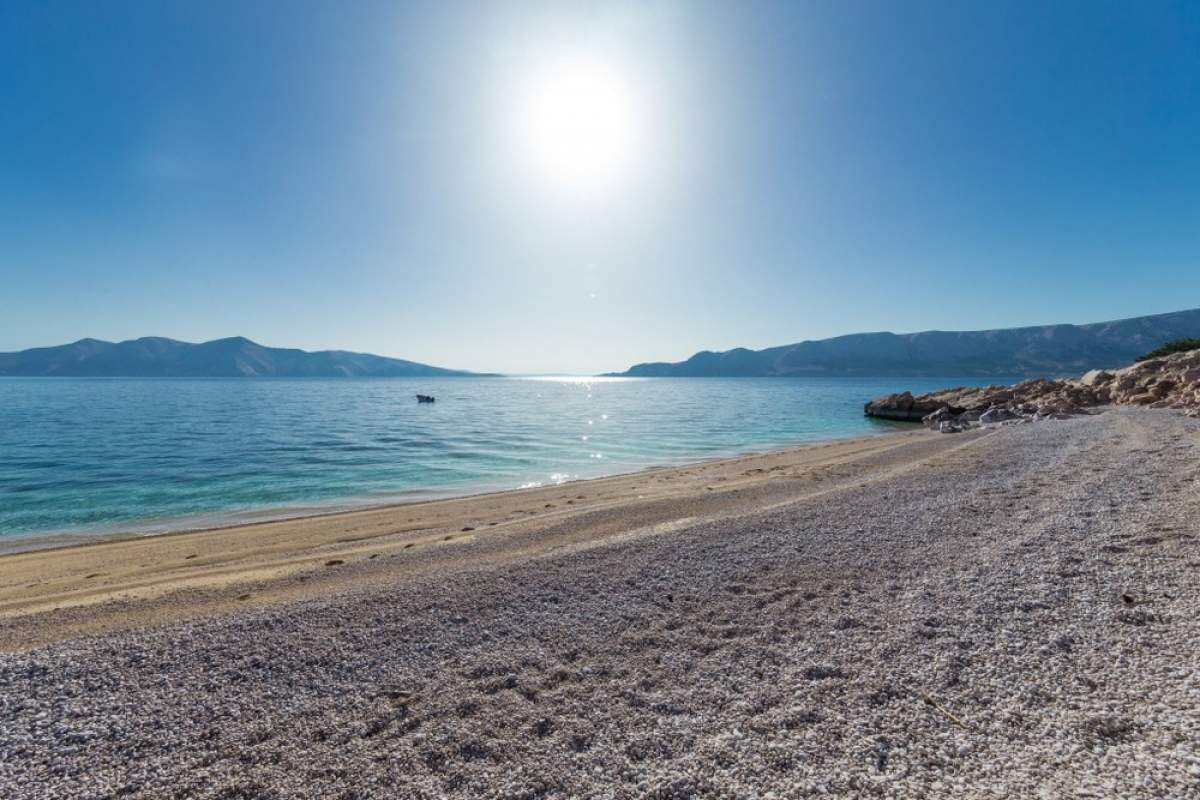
[{"x": 1169, "y": 382}]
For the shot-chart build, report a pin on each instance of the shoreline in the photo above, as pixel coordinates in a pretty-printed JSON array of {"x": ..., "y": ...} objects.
[
  {"x": 998, "y": 613},
  {"x": 52, "y": 593},
  {"x": 244, "y": 518}
]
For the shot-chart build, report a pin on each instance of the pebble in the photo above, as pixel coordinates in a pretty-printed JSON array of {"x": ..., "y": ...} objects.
[{"x": 964, "y": 578}]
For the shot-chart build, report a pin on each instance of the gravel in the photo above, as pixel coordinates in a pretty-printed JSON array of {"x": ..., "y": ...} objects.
[{"x": 1014, "y": 618}]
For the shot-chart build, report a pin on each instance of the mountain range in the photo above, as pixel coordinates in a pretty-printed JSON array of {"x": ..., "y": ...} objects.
[
  {"x": 1045, "y": 350},
  {"x": 155, "y": 356}
]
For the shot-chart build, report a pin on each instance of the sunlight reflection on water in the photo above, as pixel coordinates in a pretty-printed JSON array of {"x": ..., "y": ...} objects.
[{"x": 142, "y": 454}]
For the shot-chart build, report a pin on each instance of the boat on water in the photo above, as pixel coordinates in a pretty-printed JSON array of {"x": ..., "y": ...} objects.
[{"x": 426, "y": 398}]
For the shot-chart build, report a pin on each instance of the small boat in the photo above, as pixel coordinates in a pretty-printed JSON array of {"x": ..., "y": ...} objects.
[{"x": 425, "y": 398}]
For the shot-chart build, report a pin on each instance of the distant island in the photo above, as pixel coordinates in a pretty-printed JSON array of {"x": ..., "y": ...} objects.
[
  {"x": 237, "y": 356},
  {"x": 1047, "y": 350}
]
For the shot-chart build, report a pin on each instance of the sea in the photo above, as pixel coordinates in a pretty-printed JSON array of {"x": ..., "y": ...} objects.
[{"x": 88, "y": 457}]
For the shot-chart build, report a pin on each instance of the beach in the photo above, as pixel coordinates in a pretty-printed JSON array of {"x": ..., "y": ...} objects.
[
  {"x": 1012, "y": 611},
  {"x": 125, "y": 581}
]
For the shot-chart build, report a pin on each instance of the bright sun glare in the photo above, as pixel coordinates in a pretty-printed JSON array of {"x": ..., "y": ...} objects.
[{"x": 580, "y": 123}]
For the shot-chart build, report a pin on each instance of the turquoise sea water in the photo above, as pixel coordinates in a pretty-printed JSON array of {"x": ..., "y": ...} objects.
[{"x": 81, "y": 457}]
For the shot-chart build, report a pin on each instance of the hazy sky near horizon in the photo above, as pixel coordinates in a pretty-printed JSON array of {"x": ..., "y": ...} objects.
[{"x": 575, "y": 187}]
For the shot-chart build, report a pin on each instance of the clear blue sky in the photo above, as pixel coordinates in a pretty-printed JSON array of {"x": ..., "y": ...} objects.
[{"x": 346, "y": 175}]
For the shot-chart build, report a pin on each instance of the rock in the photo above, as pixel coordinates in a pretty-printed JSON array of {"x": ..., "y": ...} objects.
[
  {"x": 1170, "y": 382},
  {"x": 1162, "y": 388},
  {"x": 936, "y": 419},
  {"x": 996, "y": 414},
  {"x": 902, "y": 407},
  {"x": 1096, "y": 377}
]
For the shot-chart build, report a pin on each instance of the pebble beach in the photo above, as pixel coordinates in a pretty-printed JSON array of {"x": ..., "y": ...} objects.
[{"x": 1012, "y": 612}]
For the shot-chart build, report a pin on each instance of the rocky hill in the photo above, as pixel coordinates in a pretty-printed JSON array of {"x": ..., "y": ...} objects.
[
  {"x": 155, "y": 356},
  {"x": 1045, "y": 351}
]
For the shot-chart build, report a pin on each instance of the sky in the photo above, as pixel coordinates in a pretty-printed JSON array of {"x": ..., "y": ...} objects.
[{"x": 576, "y": 187}]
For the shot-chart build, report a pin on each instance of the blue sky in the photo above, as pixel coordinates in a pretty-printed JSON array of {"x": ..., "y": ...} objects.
[{"x": 345, "y": 175}]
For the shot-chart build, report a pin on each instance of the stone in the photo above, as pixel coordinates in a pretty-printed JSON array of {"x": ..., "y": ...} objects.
[
  {"x": 936, "y": 419},
  {"x": 996, "y": 414},
  {"x": 902, "y": 407},
  {"x": 1169, "y": 382},
  {"x": 1096, "y": 377},
  {"x": 1161, "y": 388}
]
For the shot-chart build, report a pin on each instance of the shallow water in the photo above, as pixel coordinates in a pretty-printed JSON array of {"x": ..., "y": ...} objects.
[{"x": 82, "y": 457}]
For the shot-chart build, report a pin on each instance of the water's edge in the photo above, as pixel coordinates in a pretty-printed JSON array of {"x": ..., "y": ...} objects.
[
  {"x": 226, "y": 520},
  {"x": 100, "y": 458}
]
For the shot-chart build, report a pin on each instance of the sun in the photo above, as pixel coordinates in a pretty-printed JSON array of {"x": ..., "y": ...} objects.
[{"x": 580, "y": 123}]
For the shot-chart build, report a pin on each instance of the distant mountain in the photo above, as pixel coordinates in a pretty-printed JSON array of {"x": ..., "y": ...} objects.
[
  {"x": 155, "y": 356},
  {"x": 1042, "y": 350}
]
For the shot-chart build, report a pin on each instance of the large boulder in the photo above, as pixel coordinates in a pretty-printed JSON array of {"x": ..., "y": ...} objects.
[{"x": 902, "y": 407}]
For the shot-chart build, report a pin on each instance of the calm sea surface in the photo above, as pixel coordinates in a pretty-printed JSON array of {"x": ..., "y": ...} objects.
[{"x": 83, "y": 457}]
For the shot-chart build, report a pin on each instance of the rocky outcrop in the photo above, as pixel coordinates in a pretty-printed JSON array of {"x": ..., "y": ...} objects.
[
  {"x": 903, "y": 407},
  {"x": 1170, "y": 382}
]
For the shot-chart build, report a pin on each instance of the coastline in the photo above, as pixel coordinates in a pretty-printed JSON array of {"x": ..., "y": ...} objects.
[
  {"x": 998, "y": 613},
  {"x": 217, "y": 520},
  {"x": 196, "y": 463},
  {"x": 119, "y": 581}
]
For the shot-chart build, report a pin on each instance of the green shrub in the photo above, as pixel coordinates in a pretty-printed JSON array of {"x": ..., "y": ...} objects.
[{"x": 1176, "y": 346}]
